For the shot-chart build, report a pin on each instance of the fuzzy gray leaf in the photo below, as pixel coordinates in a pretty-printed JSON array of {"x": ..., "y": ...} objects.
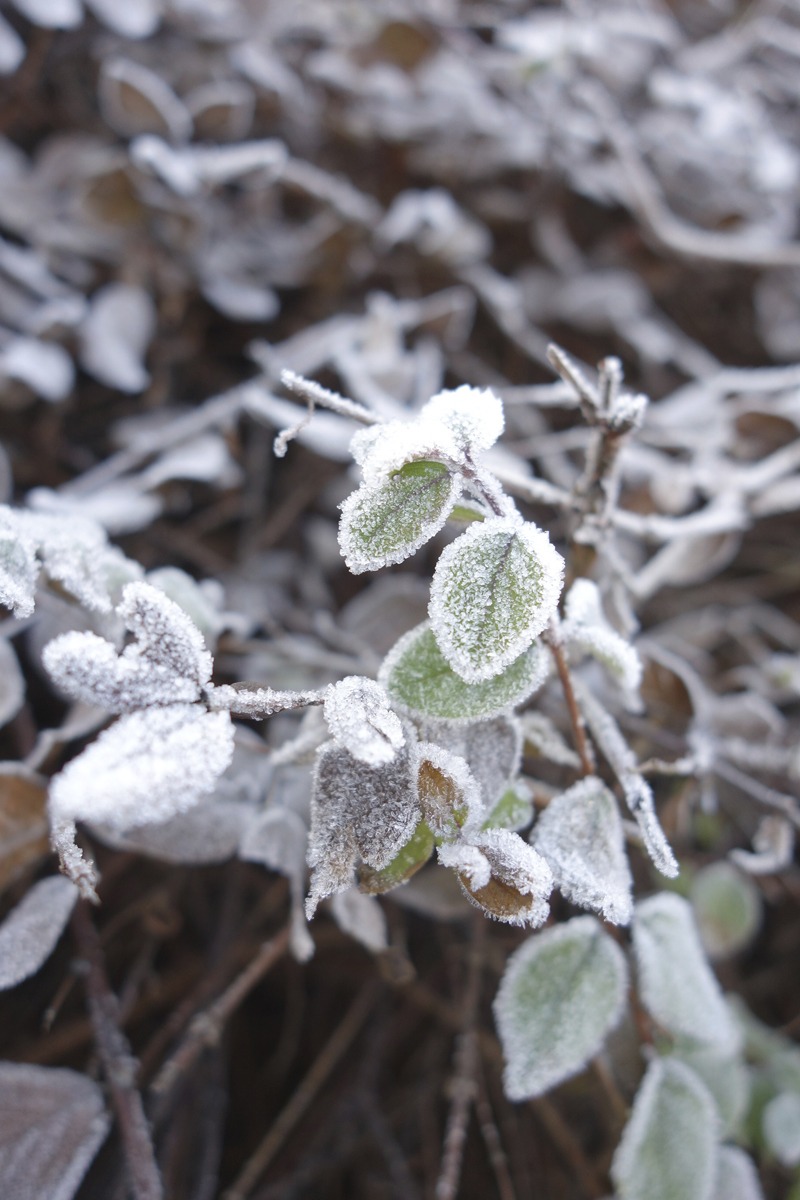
[{"x": 30, "y": 931}]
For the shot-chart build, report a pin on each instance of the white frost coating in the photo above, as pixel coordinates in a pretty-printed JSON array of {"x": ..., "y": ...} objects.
[
  {"x": 30, "y": 931},
  {"x": 19, "y": 569},
  {"x": 382, "y": 449},
  {"x": 492, "y": 749},
  {"x": 668, "y": 1149},
  {"x": 74, "y": 552},
  {"x": 12, "y": 683},
  {"x": 360, "y": 719},
  {"x": 467, "y": 860},
  {"x": 494, "y": 590},
  {"x": 250, "y": 700},
  {"x": 562, "y": 992},
  {"x": 517, "y": 865},
  {"x": 580, "y": 835},
  {"x": 587, "y": 628},
  {"x": 737, "y": 1177},
  {"x": 727, "y": 1078},
  {"x": 473, "y": 416},
  {"x": 781, "y": 1126},
  {"x": 773, "y": 843},
  {"x": 168, "y": 662},
  {"x": 115, "y": 336},
  {"x": 676, "y": 984},
  {"x": 638, "y": 793},
  {"x": 362, "y": 918},
  {"x": 465, "y": 791},
  {"x": 540, "y": 732}
]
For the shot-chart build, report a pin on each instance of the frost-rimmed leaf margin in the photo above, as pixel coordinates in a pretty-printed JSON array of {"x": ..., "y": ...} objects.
[
  {"x": 372, "y": 532},
  {"x": 417, "y": 654},
  {"x": 550, "y": 1023},
  {"x": 669, "y": 1147},
  {"x": 494, "y": 590}
]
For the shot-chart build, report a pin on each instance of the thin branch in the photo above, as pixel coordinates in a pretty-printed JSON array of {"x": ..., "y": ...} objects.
[
  {"x": 254, "y": 700},
  {"x": 206, "y": 1028},
  {"x": 491, "y": 1137},
  {"x": 119, "y": 1065},
  {"x": 582, "y": 744},
  {"x": 330, "y": 1055},
  {"x": 315, "y": 393}
]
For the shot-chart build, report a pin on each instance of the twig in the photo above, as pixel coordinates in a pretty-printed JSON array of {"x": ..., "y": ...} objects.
[
  {"x": 562, "y": 1137},
  {"x": 463, "y": 1088},
  {"x": 206, "y": 1028},
  {"x": 315, "y": 393},
  {"x": 119, "y": 1064},
  {"x": 329, "y": 1056},
  {"x": 491, "y": 1137},
  {"x": 582, "y": 744}
]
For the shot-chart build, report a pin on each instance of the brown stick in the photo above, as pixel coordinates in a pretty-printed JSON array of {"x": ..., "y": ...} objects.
[
  {"x": 119, "y": 1065},
  {"x": 576, "y": 720},
  {"x": 491, "y": 1138},
  {"x": 206, "y": 1028},
  {"x": 463, "y": 1088},
  {"x": 329, "y": 1056}
]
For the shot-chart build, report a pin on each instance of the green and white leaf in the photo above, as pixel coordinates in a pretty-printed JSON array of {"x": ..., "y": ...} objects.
[
  {"x": 491, "y": 748},
  {"x": 780, "y": 1123},
  {"x": 562, "y": 992},
  {"x": 727, "y": 1079},
  {"x": 419, "y": 679},
  {"x": 386, "y": 522},
  {"x": 727, "y": 908},
  {"x": 494, "y": 590},
  {"x": 580, "y": 834},
  {"x": 676, "y": 983},
  {"x": 19, "y": 569},
  {"x": 737, "y": 1177},
  {"x": 514, "y": 809},
  {"x": 669, "y": 1147}
]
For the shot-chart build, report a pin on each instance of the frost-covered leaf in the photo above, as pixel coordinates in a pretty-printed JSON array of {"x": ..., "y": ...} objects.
[
  {"x": 403, "y": 866},
  {"x": 418, "y": 677},
  {"x": 23, "y": 820},
  {"x": 449, "y": 796},
  {"x": 514, "y": 809},
  {"x": 12, "y": 683},
  {"x": 668, "y": 1149},
  {"x": 773, "y": 843},
  {"x": 133, "y": 19},
  {"x": 115, "y": 335},
  {"x": 147, "y": 767},
  {"x": 52, "y": 1123},
  {"x": 520, "y": 883},
  {"x": 135, "y": 100},
  {"x": 359, "y": 718},
  {"x": 562, "y": 992},
  {"x": 358, "y": 810},
  {"x": 29, "y": 933},
  {"x": 208, "y": 833},
  {"x": 120, "y": 507},
  {"x": 676, "y": 984},
  {"x": 435, "y": 893},
  {"x": 470, "y": 864},
  {"x": 19, "y": 569},
  {"x": 385, "y": 523},
  {"x": 167, "y": 663},
  {"x": 587, "y": 628},
  {"x": 45, "y": 367},
  {"x": 362, "y": 917},
  {"x": 199, "y": 601},
  {"x": 737, "y": 1177},
  {"x": 205, "y": 458},
  {"x": 580, "y": 835},
  {"x": 545, "y": 741},
  {"x": 12, "y": 48},
  {"x": 727, "y": 1080},
  {"x": 52, "y": 14},
  {"x": 74, "y": 552},
  {"x": 638, "y": 793},
  {"x": 474, "y": 417},
  {"x": 727, "y": 908},
  {"x": 491, "y": 749},
  {"x": 780, "y": 1123},
  {"x": 494, "y": 590}
]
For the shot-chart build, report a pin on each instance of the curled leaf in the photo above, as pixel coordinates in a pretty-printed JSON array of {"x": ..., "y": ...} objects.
[
  {"x": 494, "y": 590},
  {"x": 520, "y": 881},
  {"x": 449, "y": 797},
  {"x": 359, "y": 718}
]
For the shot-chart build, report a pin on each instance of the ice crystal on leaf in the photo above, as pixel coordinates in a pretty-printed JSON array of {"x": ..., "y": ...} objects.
[
  {"x": 418, "y": 677},
  {"x": 358, "y": 811},
  {"x": 676, "y": 984},
  {"x": 473, "y": 417},
  {"x": 494, "y": 590},
  {"x": 19, "y": 569},
  {"x": 471, "y": 865},
  {"x": 520, "y": 883},
  {"x": 385, "y": 523},
  {"x": 492, "y": 750},
  {"x": 562, "y": 992},
  {"x": 449, "y": 796},
  {"x": 587, "y": 629},
  {"x": 29, "y": 933},
  {"x": 668, "y": 1149},
  {"x": 359, "y": 718},
  {"x": 167, "y": 663},
  {"x": 403, "y": 866},
  {"x": 514, "y": 809},
  {"x": 737, "y": 1177},
  {"x": 580, "y": 835},
  {"x": 148, "y": 766}
]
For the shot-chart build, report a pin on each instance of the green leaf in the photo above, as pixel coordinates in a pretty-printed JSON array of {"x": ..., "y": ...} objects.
[
  {"x": 385, "y": 523},
  {"x": 668, "y": 1149},
  {"x": 727, "y": 907},
  {"x": 406, "y": 863},
  {"x": 513, "y": 810},
  {"x": 418, "y": 678},
  {"x": 466, "y": 513},
  {"x": 562, "y": 992},
  {"x": 781, "y": 1125},
  {"x": 494, "y": 590},
  {"x": 676, "y": 983},
  {"x": 737, "y": 1177},
  {"x": 726, "y": 1078}
]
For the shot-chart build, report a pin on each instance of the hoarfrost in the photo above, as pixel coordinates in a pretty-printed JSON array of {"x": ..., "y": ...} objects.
[
  {"x": 580, "y": 835},
  {"x": 449, "y": 796},
  {"x": 472, "y": 416},
  {"x": 587, "y": 628},
  {"x": 29, "y": 933},
  {"x": 358, "y": 810},
  {"x": 492, "y": 750},
  {"x": 677, "y": 986},
  {"x": 494, "y": 590},
  {"x": 115, "y": 335},
  {"x": 539, "y": 732},
  {"x": 468, "y": 862},
  {"x": 668, "y": 1149},
  {"x": 359, "y": 718},
  {"x": 727, "y": 1078},
  {"x": 562, "y": 992}
]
